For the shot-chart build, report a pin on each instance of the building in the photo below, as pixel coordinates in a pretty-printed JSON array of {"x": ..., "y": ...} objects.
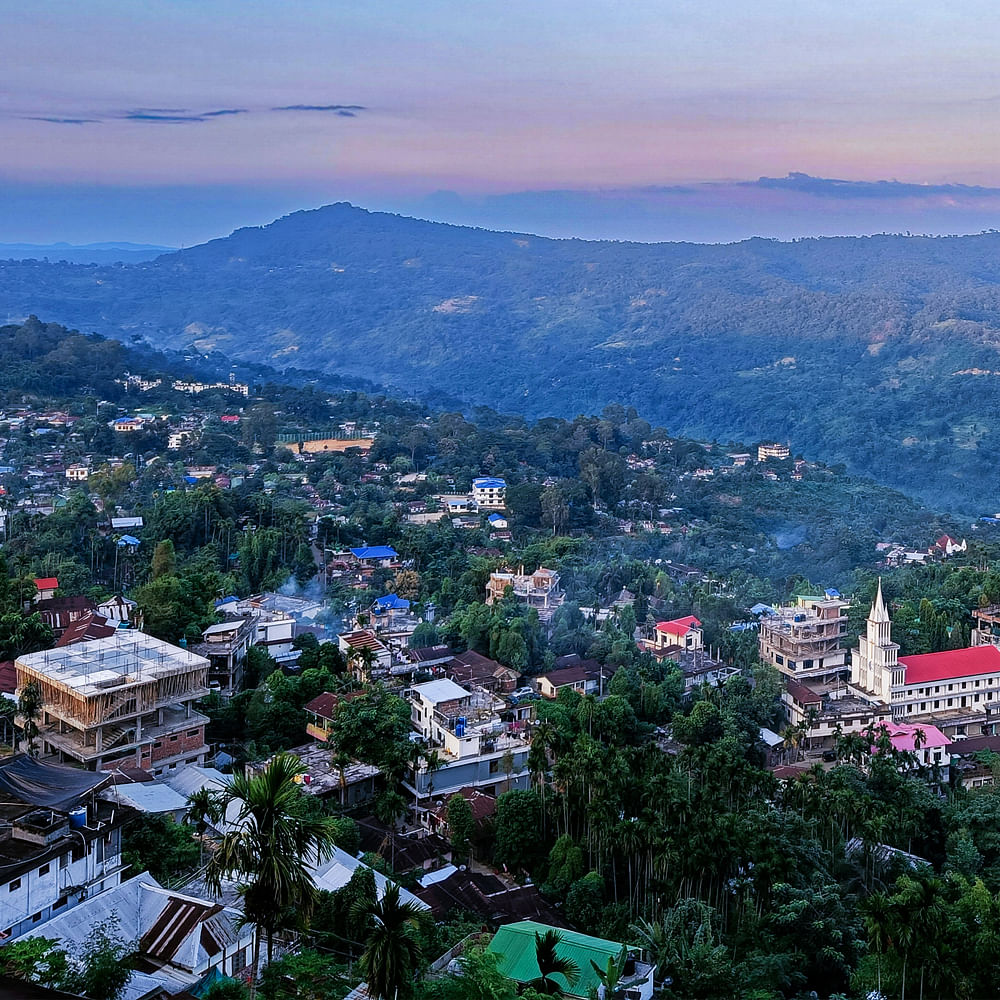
[
  {"x": 986, "y": 631},
  {"x": 471, "y": 740},
  {"x": 488, "y": 493},
  {"x": 59, "y": 843},
  {"x": 772, "y": 449},
  {"x": 225, "y": 647},
  {"x": 472, "y": 669},
  {"x": 179, "y": 938},
  {"x": 371, "y": 556},
  {"x": 575, "y": 678},
  {"x": 806, "y": 638},
  {"x": 127, "y": 425},
  {"x": 46, "y": 587},
  {"x": 927, "y": 743},
  {"x": 126, "y": 699},
  {"x": 367, "y": 655},
  {"x": 514, "y": 946},
  {"x": 927, "y": 683},
  {"x": 539, "y": 590},
  {"x": 680, "y": 633},
  {"x": 77, "y": 473}
]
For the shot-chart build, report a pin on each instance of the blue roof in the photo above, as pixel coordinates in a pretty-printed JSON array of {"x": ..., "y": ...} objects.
[
  {"x": 831, "y": 593},
  {"x": 190, "y": 480},
  {"x": 489, "y": 483},
  {"x": 231, "y": 599},
  {"x": 125, "y": 420},
  {"x": 391, "y": 602},
  {"x": 496, "y": 517},
  {"x": 128, "y": 540},
  {"x": 762, "y": 609},
  {"x": 374, "y": 552}
]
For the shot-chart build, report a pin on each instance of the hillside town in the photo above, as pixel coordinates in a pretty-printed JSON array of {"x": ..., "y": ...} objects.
[{"x": 473, "y": 676}]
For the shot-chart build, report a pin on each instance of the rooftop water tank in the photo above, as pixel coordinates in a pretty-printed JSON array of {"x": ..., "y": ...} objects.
[{"x": 78, "y": 818}]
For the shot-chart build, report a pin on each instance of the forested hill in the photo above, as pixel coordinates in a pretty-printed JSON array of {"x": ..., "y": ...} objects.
[{"x": 877, "y": 352}]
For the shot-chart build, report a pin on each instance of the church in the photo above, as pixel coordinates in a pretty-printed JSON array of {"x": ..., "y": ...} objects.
[{"x": 928, "y": 684}]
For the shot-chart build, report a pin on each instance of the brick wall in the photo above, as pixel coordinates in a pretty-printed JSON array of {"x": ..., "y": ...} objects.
[{"x": 183, "y": 741}]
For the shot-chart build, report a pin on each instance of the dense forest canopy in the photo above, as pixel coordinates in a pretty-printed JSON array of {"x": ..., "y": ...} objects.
[{"x": 877, "y": 352}]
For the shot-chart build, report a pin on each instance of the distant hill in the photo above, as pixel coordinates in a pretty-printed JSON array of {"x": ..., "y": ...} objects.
[
  {"x": 882, "y": 352},
  {"x": 86, "y": 253}
]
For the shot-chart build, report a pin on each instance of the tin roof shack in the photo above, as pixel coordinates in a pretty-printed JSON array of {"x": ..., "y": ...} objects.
[
  {"x": 59, "y": 844},
  {"x": 127, "y": 698}
]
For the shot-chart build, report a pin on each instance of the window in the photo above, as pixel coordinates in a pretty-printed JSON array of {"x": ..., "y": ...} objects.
[
  {"x": 158, "y": 744},
  {"x": 59, "y": 903},
  {"x": 191, "y": 733},
  {"x": 44, "y": 870},
  {"x": 35, "y": 917},
  {"x": 14, "y": 885},
  {"x": 64, "y": 861},
  {"x": 173, "y": 739},
  {"x": 494, "y": 766}
]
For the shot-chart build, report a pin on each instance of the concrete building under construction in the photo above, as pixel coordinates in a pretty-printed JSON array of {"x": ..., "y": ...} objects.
[
  {"x": 806, "y": 640},
  {"x": 124, "y": 700}
]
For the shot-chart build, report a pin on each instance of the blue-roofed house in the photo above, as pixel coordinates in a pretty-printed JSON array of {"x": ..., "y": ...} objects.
[
  {"x": 489, "y": 493},
  {"x": 389, "y": 607},
  {"x": 497, "y": 522},
  {"x": 375, "y": 555}
]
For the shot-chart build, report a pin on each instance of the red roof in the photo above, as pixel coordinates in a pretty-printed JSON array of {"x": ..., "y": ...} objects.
[
  {"x": 971, "y": 662},
  {"x": 47, "y": 583},
  {"x": 679, "y": 626}
]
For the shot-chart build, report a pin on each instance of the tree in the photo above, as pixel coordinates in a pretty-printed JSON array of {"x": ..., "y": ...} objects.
[
  {"x": 519, "y": 843},
  {"x": 203, "y": 809},
  {"x": 461, "y": 825},
  {"x": 29, "y": 709},
  {"x": 271, "y": 848},
  {"x": 551, "y": 964},
  {"x": 158, "y": 844},
  {"x": 164, "y": 560},
  {"x": 101, "y": 970},
  {"x": 393, "y": 951}
]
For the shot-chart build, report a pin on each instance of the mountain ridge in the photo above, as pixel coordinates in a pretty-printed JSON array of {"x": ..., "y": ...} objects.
[{"x": 850, "y": 348}]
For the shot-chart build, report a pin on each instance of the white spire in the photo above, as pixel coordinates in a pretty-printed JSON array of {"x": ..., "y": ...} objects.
[{"x": 878, "y": 612}]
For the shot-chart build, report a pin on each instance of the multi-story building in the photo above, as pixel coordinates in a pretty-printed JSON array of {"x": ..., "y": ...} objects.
[
  {"x": 59, "y": 844},
  {"x": 987, "y": 628},
  {"x": 475, "y": 748},
  {"x": 225, "y": 647},
  {"x": 489, "y": 493},
  {"x": 926, "y": 684},
  {"x": 539, "y": 590},
  {"x": 125, "y": 699},
  {"x": 806, "y": 638},
  {"x": 772, "y": 449}
]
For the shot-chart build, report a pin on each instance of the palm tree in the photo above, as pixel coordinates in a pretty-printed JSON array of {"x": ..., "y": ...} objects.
[
  {"x": 340, "y": 761},
  {"x": 203, "y": 809},
  {"x": 392, "y": 951},
  {"x": 29, "y": 708},
  {"x": 550, "y": 964},
  {"x": 270, "y": 849}
]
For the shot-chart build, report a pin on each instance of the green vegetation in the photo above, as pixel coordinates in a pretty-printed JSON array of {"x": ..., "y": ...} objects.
[{"x": 849, "y": 348}]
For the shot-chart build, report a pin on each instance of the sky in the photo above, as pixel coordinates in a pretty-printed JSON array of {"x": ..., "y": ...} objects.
[{"x": 174, "y": 121}]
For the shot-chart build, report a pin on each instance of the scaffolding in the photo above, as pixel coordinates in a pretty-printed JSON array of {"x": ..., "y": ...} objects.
[{"x": 120, "y": 675}]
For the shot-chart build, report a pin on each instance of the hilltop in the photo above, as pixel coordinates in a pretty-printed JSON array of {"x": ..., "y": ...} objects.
[{"x": 879, "y": 353}]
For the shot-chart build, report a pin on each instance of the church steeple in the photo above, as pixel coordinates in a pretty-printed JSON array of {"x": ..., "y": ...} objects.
[{"x": 878, "y": 612}]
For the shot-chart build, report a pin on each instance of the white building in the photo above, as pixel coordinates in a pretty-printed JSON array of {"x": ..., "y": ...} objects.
[
  {"x": 927, "y": 683},
  {"x": 471, "y": 740},
  {"x": 489, "y": 493}
]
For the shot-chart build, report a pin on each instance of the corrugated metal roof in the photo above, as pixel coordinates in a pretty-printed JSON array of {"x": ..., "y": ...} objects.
[{"x": 515, "y": 944}]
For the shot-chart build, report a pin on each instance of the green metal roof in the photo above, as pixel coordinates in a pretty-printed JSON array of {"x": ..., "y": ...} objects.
[{"x": 515, "y": 944}]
